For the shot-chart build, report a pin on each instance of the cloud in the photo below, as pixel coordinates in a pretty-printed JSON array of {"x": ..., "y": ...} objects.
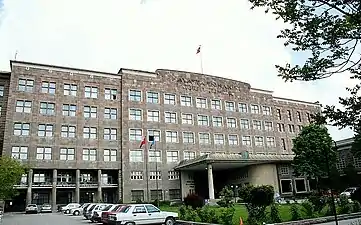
[{"x": 236, "y": 42}]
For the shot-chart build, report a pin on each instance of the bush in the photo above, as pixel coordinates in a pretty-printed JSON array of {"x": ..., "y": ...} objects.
[
  {"x": 194, "y": 200},
  {"x": 207, "y": 215},
  {"x": 227, "y": 195},
  {"x": 295, "y": 214},
  {"x": 308, "y": 209},
  {"x": 317, "y": 200},
  {"x": 344, "y": 206},
  {"x": 226, "y": 216},
  {"x": 356, "y": 207},
  {"x": 274, "y": 214},
  {"x": 138, "y": 201},
  {"x": 187, "y": 213}
]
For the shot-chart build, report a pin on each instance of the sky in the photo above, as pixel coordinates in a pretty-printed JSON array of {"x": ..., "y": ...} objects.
[{"x": 237, "y": 42}]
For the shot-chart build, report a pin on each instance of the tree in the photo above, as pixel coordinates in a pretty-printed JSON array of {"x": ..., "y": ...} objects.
[
  {"x": 314, "y": 152},
  {"x": 11, "y": 171}
]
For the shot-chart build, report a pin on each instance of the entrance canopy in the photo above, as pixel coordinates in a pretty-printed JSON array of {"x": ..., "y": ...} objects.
[{"x": 223, "y": 161}]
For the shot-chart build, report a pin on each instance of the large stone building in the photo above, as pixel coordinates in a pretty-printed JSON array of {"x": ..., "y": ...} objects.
[{"x": 80, "y": 133}]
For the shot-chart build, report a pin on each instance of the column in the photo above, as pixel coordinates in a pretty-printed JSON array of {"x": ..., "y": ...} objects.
[
  {"x": 53, "y": 194},
  {"x": 210, "y": 182},
  {"x": 99, "y": 198},
  {"x": 77, "y": 186},
  {"x": 29, "y": 191},
  {"x": 120, "y": 187}
]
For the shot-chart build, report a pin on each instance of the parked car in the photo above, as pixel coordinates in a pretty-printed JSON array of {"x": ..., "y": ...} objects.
[
  {"x": 45, "y": 208},
  {"x": 98, "y": 207},
  {"x": 31, "y": 208},
  {"x": 142, "y": 214},
  {"x": 86, "y": 208},
  {"x": 114, "y": 209},
  {"x": 66, "y": 209},
  {"x": 88, "y": 211},
  {"x": 96, "y": 216},
  {"x": 349, "y": 191},
  {"x": 79, "y": 210}
]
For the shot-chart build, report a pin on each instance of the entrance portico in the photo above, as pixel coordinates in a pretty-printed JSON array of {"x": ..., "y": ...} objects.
[{"x": 229, "y": 169}]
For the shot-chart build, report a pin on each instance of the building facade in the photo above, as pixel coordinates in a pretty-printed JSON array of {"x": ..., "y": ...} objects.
[{"x": 80, "y": 131}]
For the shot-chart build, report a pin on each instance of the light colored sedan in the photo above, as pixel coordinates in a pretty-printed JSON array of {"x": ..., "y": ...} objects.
[{"x": 46, "y": 208}]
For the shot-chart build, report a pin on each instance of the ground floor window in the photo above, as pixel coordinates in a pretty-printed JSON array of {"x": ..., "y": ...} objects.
[
  {"x": 300, "y": 185},
  {"x": 286, "y": 186},
  {"x": 41, "y": 198},
  {"x": 137, "y": 195},
  {"x": 153, "y": 195},
  {"x": 174, "y": 194}
]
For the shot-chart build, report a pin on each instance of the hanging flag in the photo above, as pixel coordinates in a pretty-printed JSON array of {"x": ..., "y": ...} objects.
[
  {"x": 153, "y": 143},
  {"x": 143, "y": 142},
  {"x": 199, "y": 49}
]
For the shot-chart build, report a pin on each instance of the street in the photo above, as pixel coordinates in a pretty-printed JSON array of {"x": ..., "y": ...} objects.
[
  {"x": 43, "y": 219},
  {"x": 356, "y": 221}
]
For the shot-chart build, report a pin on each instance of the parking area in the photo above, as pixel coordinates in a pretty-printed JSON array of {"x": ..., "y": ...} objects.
[{"x": 43, "y": 219}]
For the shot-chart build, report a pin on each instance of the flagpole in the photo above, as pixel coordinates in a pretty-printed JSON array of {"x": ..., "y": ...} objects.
[
  {"x": 146, "y": 169},
  {"x": 156, "y": 170},
  {"x": 200, "y": 56}
]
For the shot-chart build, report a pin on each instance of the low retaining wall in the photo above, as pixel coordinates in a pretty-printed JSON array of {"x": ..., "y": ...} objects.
[{"x": 183, "y": 222}]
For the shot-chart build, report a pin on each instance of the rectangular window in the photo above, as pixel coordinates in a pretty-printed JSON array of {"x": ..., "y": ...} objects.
[
  {"x": 217, "y": 121},
  {"x": 172, "y": 156},
  {"x": 170, "y": 117},
  {"x": 171, "y": 136},
  {"x": 90, "y": 112},
  {"x": 266, "y": 110},
  {"x": 110, "y": 94},
  {"x": 70, "y": 89},
  {"x": 218, "y": 139},
  {"x": 189, "y": 155},
  {"x": 232, "y": 139},
  {"x": 280, "y": 127},
  {"x": 187, "y": 118},
  {"x": 258, "y": 141},
  {"x": 186, "y": 101},
  {"x": 135, "y": 114},
  {"x": 152, "y": 97},
  {"x": 21, "y": 129},
  {"x": 48, "y": 87},
  {"x": 90, "y": 92},
  {"x": 308, "y": 115},
  {"x": 110, "y": 113},
  {"x": 299, "y": 118},
  {"x": 255, "y": 109},
  {"x": 279, "y": 115},
  {"x": 45, "y": 130},
  {"x": 188, "y": 137},
  {"x": 270, "y": 141},
  {"x": 230, "y": 106},
  {"x": 283, "y": 144},
  {"x": 291, "y": 128},
  {"x": 154, "y": 156},
  {"x": 173, "y": 175},
  {"x": 43, "y": 153},
  {"x": 289, "y": 115},
  {"x": 136, "y": 175},
  {"x": 136, "y": 156},
  {"x": 216, "y": 104},
  {"x": 231, "y": 122},
  {"x": 242, "y": 107},
  {"x": 19, "y": 152},
  {"x": 69, "y": 110},
  {"x": 47, "y": 108},
  {"x": 67, "y": 154},
  {"x": 89, "y": 154},
  {"x": 175, "y": 194},
  {"x": 90, "y": 133},
  {"x": 2, "y": 90},
  {"x": 204, "y": 138},
  {"x": 246, "y": 140},
  {"x": 169, "y": 99},
  {"x": 244, "y": 123},
  {"x": 257, "y": 125},
  {"x": 155, "y": 175},
  {"x": 153, "y": 116},
  {"x": 110, "y": 134},
  {"x": 201, "y": 103},
  {"x": 135, "y": 95},
  {"x": 203, "y": 120},
  {"x": 268, "y": 126},
  {"x": 26, "y": 85},
  {"x": 68, "y": 131},
  {"x": 23, "y": 106},
  {"x": 137, "y": 195},
  {"x": 155, "y": 134},
  {"x": 110, "y": 155},
  {"x": 135, "y": 135}
]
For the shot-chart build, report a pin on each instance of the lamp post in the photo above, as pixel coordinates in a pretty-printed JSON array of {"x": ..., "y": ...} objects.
[
  {"x": 329, "y": 178},
  {"x": 234, "y": 189}
]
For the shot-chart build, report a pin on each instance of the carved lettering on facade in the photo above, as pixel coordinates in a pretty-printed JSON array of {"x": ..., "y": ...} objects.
[{"x": 207, "y": 85}]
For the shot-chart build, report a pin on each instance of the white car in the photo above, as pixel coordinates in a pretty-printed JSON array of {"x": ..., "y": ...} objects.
[
  {"x": 79, "y": 210},
  {"x": 142, "y": 214},
  {"x": 349, "y": 191},
  {"x": 66, "y": 209},
  {"x": 97, "y": 212},
  {"x": 98, "y": 207}
]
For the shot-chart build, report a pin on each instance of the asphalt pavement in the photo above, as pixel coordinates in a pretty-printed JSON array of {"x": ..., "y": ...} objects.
[
  {"x": 356, "y": 221},
  {"x": 43, "y": 219}
]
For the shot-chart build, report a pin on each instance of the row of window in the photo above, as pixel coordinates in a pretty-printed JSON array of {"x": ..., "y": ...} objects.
[
  {"x": 138, "y": 195},
  {"x": 67, "y": 178},
  {"x": 154, "y": 175}
]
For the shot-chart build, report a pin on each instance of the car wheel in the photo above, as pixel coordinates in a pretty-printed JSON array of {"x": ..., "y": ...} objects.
[
  {"x": 129, "y": 223},
  {"x": 169, "y": 221},
  {"x": 67, "y": 211},
  {"x": 76, "y": 213}
]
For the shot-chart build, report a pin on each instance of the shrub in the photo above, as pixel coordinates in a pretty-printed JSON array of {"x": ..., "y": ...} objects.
[
  {"x": 138, "y": 201},
  {"x": 308, "y": 209},
  {"x": 227, "y": 196},
  {"x": 356, "y": 207},
  {"x": 344, "y": 206},
  {"x": 274, "y": 214},
  {"x": 189, "y": 214},
  {"x": 295, "y": 214},
  {"x": 194, "y": 200},
  {"x": 226, "y": 216},
  {"x": 207, "y": 215},
  {"x": 317, "y": 200}
]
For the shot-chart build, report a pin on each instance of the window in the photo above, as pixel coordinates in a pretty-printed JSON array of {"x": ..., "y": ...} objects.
[
  {"x": 155, "y": 175},
  {"x": 21, "y": 129},
  {"x": 169, "y": 99},
  {"x": 242, "y": 107},
  {"x": 137, "y": 195},
  {"x": 110, "y": 134},
  {"x": 48, "y": 87},
  {"x": 26, "y": 85},
  {"x": 1, "y": 90},
  {"x": 280, "y": 127},
  {"x": 135, "y": 114},
  {"x": 232, "y": 139},
  {"x": 136, "y": 175},
  {"x": 170, "y": 117},
  {"x": 69, "y": 110},
  {"x": 174, "y": 194},
  {"x": 257, "y": 125},
  {"x": 189, "y": 155},
  {"x": 90, "y": 112},
  {"x": 110, "y": 113},
  {"x": 90, "y": 132},
  {"x": 266, "y": 110},
  {"x": 155, "y": 134},
  {"x": 91, "y": 92},
  {"x": 246, "y": 140},
  {"x": 230, "y": 106},
  {"x": 19, "y": 152},
  {"x": 201, "y": 103},
  {"x": 244, "y": 123},
  {"x": 23, "y": 106},
  {"x": 204, "y": 153},
  {"x": 268, "y": 126},
  {"x": 89, "y": 154},
  {"x": 231, "y": 122},
  {"x": 172, "y": 156},
  {"x": 68, "y": 131},
  {"x": 204, "y": 138},
  {"x": 279, "y": 116},
  {"x": 110, "y": 94},
  {"x": 135, "y": 95},
  {"x": 283, "y": 144},
  {"x": 186, "y": 101},
  {"x": 47, "y": 108},
  {"x": 135, "y": 134},
  {"x": 284, "y": 170},
  {"x": 173, "y": 175},
  {"x": 43, "y": 153},
  {"x": 300, "y": 185},
  {"x": 270, "y": 141},
  {"x": 289, "y": 115},
  {"x": 39, "y": 178},
  {"x": 216, "y": 104},
  {"x": 203, "y": 120},
  {"x": 67, "y": 154},
  {"x": 171, "y": 136},
  {"x": 218, "y": 139},
  {"x": 255, "y": 109},
  {"x": 136, "y": 156},
  {"x": 110, "y": 155},
  {"x": 45, "y": 130},
  {"x": 70, "y": 89},
  {"x": 308, "y": 115},
  {"x": 152, "y": 97},
  {"x": 299, "y": 118},
  {"x": 154, "y": 156},
  {"x": 299, "y": 128},
  {"x": 291, "y": 128},
  {"x": 153, "y": 116},
  {"x": 217, "y": 121},
  {"x": 188, "y": 137},
  {"x": 187, "y": 119},
  {"x": 258, "y": 141}
]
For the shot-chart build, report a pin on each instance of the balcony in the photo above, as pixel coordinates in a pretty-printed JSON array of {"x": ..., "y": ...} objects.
[
  {"x": 23, "y": 182},
  {"x": 88, "y": 180},
  {"x": 42, "y": 179},
  {"x": 65, "y": 179},
  {"x": 109, "y": 179}
]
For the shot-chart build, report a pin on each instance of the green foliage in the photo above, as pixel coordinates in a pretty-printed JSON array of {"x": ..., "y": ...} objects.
[
  {"x": 344, "y": 206},
  {"x": 194, "y": 200},
  {"x": 274, "y": 214},
  {"x": 227, "y": 195},
  {"x": 226, "y": 216},
  {"x": 187, "y": 213},
  {"x": 208, "y": 215},
  {"x": 317, "y": 200},
  {"x": 356, "y": 207},
  {"x": 308, "y": 210},
  {"x": 11, "y": 171},
  {"x": 314, "y": 151},
  {"x": 295, "y": 213}
]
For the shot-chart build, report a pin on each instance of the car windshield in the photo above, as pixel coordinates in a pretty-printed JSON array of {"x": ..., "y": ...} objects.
[
  {"x": 125, "y": 209},
  {"x": 31, "y": 205},
  {"x": 107, "y": 208},
  {"x": 92, "y": 207},
  {"x": 349, "y": 189},
  {"x": 46, "y": 205},
  {"x": 116, "y": 208}
]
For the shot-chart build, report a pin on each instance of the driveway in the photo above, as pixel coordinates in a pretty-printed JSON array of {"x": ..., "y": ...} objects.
[{"x": 43, "y": 219}]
